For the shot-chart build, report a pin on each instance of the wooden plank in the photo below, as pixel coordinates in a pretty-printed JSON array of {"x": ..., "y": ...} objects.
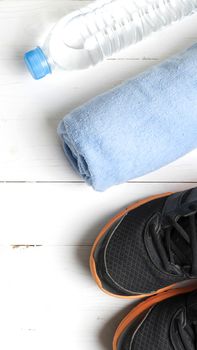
[
  {"x": 30, "y": 110},
  {"x": 64, "y": 214},
  {"x": 49, "y": 301},
  {"x": 48, "y": 298},
  {"x": 30, "y": 151}
]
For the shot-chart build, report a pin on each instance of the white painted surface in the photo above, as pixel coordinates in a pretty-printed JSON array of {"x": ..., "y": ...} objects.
[{"x": 49, "y": 218}]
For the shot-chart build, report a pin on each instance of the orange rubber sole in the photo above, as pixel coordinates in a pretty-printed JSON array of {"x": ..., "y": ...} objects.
[
  {"x": 104, "y": 231},
  {"x": 145, "y": 306}
]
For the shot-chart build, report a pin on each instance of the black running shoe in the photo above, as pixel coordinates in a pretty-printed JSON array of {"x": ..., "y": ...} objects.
[
  {"x": 160, "y": 324},
  {"x": 148, "y": 248}
]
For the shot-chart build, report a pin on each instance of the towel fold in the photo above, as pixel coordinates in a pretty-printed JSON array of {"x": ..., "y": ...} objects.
[{"x": 136, "y": 128}]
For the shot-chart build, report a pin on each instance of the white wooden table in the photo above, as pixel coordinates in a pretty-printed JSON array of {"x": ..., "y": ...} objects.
[{"x": 48, "y": 216}]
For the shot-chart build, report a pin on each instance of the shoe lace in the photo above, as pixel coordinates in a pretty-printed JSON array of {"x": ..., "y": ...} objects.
[{"x": 169, "y": 253}]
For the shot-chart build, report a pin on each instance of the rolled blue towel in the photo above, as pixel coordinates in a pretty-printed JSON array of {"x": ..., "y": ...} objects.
[{"x": 136, "y": 128}]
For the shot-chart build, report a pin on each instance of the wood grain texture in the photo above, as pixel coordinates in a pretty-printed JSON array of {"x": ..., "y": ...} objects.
[
  {"x": 48, "y": 217},
  {"x": 65, "y": 214},
  {"x": 49, "y": 301},
  {"x": 31, "y": 110}
]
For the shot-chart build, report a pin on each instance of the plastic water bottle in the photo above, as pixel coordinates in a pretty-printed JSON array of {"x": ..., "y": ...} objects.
[{"x": 85, "y": 37}]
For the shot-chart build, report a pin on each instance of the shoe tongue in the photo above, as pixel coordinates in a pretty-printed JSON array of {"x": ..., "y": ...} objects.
[
  {"x": 180, "y": 247},
  {"x": 192, "y": 307}
]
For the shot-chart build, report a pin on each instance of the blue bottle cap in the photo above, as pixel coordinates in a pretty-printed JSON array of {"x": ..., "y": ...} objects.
[{"x": 37, "y": 63}]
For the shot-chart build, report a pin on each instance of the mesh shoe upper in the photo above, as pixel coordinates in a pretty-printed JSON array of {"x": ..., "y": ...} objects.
[
  {"x": 168, "y": 326},
  {"x": 128, "y": 260},
  {"x": 154, "y": 333}
]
